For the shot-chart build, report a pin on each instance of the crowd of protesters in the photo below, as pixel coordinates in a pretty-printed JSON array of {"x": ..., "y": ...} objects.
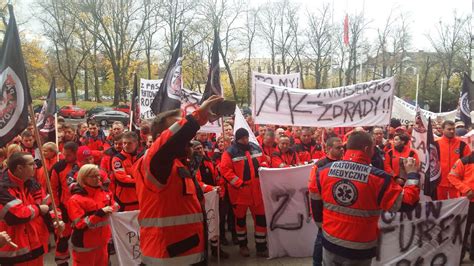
[{"x": 164, "y": 168}]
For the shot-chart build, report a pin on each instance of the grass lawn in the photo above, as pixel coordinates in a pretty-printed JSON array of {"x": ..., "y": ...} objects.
[{"x": 83, "y": 104}]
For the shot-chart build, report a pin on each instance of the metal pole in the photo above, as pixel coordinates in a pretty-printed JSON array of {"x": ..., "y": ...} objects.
[
  {"x": 441, "y": 94},
  {"x": 56, "y": 131},
  {"x": 417, "y": 86}
]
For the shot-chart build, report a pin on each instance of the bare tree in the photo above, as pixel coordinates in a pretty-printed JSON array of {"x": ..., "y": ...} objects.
[
  {"x": 251, "y": 24},
  {"x": 382, "y": 54},
  {"x": 448, "y": 44},
  {"x": 286, "y": 22},
  {"x": 357, "y": 25},
  {"x": 319, "y": 34},
  {"x": 153, "y": 25},
  {"x": 268, "y": 22},
  {"x": 401, "y": 39},
  {"x": 63, "y": 30}
]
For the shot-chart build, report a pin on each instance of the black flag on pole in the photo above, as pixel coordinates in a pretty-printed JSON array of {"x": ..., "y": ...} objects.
[
  {"x": 169, "y": 95},
  {"x": 464, "y": 110},
  {"x": 46, "y": 120},
  {"x": 213, "y": 84},
  {"x": 14, "y": 89},
  {"x": 135, "y": 106},
  {"x": 433, "y": 170}
]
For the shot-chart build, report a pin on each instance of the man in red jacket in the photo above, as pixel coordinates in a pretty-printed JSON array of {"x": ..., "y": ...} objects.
[
  {"x": 239, "y": 166},
  {"x": 451, "y": 148},
  {"x": 284, "y": 156},
  {"x": 124, "y": 182},
  {"x": 350, "y": 197},
  {"x": 20, "y": 215},
  {"x": 308, "y": 149}
]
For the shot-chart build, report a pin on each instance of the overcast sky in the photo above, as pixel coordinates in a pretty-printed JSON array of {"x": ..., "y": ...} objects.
[{"x": 424, "y": 14}]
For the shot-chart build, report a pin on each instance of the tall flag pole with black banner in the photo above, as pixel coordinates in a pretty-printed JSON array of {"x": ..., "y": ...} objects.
[
  {"x": 464, "y": 110},
  {"x": 46, "y": 119},
  {"x": 213, "y": 84},
  {"x": 15, "y": 96},
  {"x": 433, "y": 170},
  {"x": 14, "y": 92},
  {"x": 169, "y": 95},
  {"x": 135, "y": 106}
]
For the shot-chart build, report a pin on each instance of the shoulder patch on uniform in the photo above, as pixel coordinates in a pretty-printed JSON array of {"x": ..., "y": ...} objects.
[
  {"x": 350, "y": 171},
  {"x": 457, "y": 151},
  {"x": 117, "y": 164}
]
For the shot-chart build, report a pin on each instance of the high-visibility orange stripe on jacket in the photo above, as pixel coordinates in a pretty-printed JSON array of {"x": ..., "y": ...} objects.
[
  {"x": 171, "y": 216},
  {"x": 352, "y": 195}
]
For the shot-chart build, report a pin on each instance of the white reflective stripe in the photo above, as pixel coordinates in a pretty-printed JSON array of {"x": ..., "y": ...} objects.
[
  {"x": 315, "y": 196},
  {"x": 152, "y": 179},
  {"x": 33, "y": 213},
  {"x": 255, "y": 155},
  {"x": 60, "y": 261},
  {"x": 175, "y": 127},
  {"x": 260, "y": 234},
  {"x": 260, "y": 240},
  {"x": 240, "y": 158},
  {"x": 7, "y": 206},
  {"x": 398, "y": 203},
  {"x": 18, "y": 252},
  {"x": 172, "y": 220},
  {"x": 412, "y": 182},
  {"x": 79, "y": 249},
  {"x": 234, "y": 180},
  {"x": 241, "y": 237},
  {"x": 182, "y": 260},
  {"x": 349, "y": 244},
  {"x": 350, "y": 211},
  {"x": 240, "y": 232},
  {"x": 87, "y": 221}
]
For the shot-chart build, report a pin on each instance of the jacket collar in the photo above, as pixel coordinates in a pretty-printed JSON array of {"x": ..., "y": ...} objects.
[{"x": 357, "y": 156}]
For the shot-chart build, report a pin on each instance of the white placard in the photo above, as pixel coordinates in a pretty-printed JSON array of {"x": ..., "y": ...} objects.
[
  {"x": 240, "y": 122},
  {"x": 405, "y": 112},
  {"x": 148, "y": 90},
  {"x": 291, "y": 230},
  {"x": 126, "y": 231},
  {"x": 364, "y": 104}
]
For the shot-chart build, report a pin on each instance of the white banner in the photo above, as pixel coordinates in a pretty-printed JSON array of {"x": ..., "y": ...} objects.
[
  {"x": 126, "y": 236},
  {"x": 148, "y": 90},
  {"x": 364, "y": 104},
  {"x": 240, "y": 122},
  {"x": 405, "y": 112},
  {"x": 126, "y": 232},
  {"x": 432, "y": 234},
  {"x": 291, "y": 230},
  {"x": 291, "y": 80}
]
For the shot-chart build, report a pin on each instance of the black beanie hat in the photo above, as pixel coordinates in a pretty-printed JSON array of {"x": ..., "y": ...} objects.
[
  {"x": 240, "y": 133},
  {"x": 395, "y": 123}
]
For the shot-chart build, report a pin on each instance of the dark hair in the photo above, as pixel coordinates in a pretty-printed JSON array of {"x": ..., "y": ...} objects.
[
  {"x": 374, "y": 128},
  {"x": 403, "y": 137},
  {"x": 67, "y": 126},
  {"x": 330, "y": 142},
  {"x": 17, "y": 158},
  {"x": 270, "y": 133},
  {"x": 26, "y": 134},
  {"x": 358, "y": 140},
  {"x": 159, "y": 123},
  {"x": 118, "y": 137},
  {"x": 130, "y": 135},
  {"x": 71, "y": 146},
  {"x": 447, "y": 123},
  {"x": 395, "y": 123},
  {"x": 92, "y": 122}
]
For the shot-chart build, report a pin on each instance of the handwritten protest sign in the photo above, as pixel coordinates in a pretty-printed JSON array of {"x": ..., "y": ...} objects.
[
  {"x": 148, "y": 90},
  {"x": 364, "y": 104},
  {"x": 126, "y": 231},
  {"x": 405, "y": 112}
]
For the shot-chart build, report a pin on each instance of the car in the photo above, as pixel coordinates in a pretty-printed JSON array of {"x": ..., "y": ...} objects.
[
  {"x": 72, "y": 111},
  {"x": 123, "y": 108},
  {"x": 108, "y": 117},
  {"x": 98, "y": 109},
  {"x": 37, "y": 108}
]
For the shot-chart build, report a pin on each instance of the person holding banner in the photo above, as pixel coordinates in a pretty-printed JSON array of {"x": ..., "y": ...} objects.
[
  {"x": 239, "y": 167},
  {"x": 461, "y": 177},
  {"x": 350, "y": 195},
  {"x": 172, "y": 219}
]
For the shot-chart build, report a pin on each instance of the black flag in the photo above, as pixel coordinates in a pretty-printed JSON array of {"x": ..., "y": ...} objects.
[
  {"x": 135, "y": 106},
  {"x": 433, "y": 170},
  {"x": 213, "y": 84},
  {"x": 169, "y": 95},
  {"x": 46, "y": 119},
  {"x": 14, "y": 89},
  {"x": 464, "y": 111}
]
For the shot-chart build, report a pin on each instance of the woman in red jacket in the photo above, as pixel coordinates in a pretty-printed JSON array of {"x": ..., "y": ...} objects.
[{"x": 88, "y": 209}]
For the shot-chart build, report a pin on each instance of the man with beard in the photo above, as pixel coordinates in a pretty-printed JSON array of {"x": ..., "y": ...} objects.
[
  {"x": 309, "y": 149},
  {"x": 401, "y": 150},
  {"x": 284, "y": 156}
]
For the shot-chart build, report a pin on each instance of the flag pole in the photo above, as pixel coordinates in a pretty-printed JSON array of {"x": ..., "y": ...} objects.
[
  {"x": 45, "y": 168},
  {"x": 131, "y": 119},
  {"x": 441, "y": 94},
  {"x": 56, "y": 132},
  {"x": 417, "y": 86}
]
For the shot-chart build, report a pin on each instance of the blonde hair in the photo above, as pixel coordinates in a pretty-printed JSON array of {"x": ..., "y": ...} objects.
[
  {"x": 84, "y": 172},
  {"x": 51, "y": 145}
]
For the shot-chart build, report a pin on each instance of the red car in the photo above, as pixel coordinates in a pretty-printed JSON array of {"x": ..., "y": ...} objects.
[
  {"x": 123, "y": 108},
  {"x": 72, "y": 111}
]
